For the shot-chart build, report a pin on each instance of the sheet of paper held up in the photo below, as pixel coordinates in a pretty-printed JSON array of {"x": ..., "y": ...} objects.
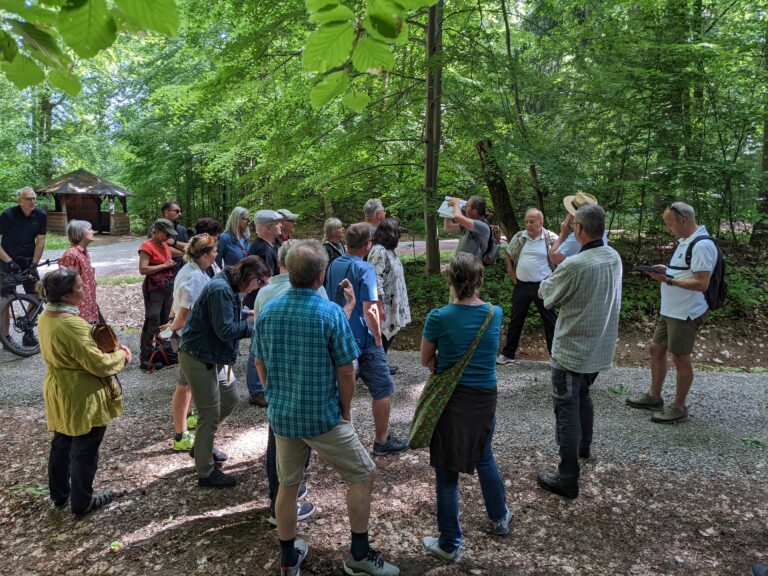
[{"x": 446, "y": 211}]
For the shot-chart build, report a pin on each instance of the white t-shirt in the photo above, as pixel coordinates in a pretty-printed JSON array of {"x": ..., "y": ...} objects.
[
  {"x": 188, "y": 286},
  {"x": 678, "y": 302},
  {"x": 532, "y": 264}
]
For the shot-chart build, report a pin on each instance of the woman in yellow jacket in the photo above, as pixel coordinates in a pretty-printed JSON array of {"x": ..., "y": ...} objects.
[{"x": 80, "y": 396}]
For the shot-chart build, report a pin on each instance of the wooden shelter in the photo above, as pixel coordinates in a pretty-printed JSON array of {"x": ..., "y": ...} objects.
[{"x": 81, "y": 195}]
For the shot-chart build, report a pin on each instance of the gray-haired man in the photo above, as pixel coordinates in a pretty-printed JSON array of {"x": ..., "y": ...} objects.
[
  {"x": 588, "y": 288},
  {"x": 374, "y": 213}
]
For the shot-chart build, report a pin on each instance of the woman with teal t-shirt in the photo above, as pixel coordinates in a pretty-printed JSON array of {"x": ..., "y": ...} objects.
[{"x": 462, "y": 440}]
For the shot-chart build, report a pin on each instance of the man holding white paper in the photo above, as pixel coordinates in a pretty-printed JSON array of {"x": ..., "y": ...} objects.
[{"x": 474, "y": 232}]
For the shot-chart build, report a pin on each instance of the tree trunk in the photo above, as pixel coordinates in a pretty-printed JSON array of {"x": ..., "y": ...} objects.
[
  {"x": 432, "y": 117},
  {"x": 498, "y": 189},
  {"x": 760, "y": 229}
]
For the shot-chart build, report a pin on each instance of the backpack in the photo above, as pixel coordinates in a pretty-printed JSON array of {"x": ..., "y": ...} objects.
[
  {"x": 491, "y": 254},
  {"x": 717, "y": 291},
  {"x": 162, "y": 355}
]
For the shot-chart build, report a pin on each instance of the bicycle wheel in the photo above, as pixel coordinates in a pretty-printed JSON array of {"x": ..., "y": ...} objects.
[{"x": 22, "y": 311}]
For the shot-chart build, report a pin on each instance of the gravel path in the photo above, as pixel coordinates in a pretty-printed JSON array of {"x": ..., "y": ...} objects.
[{"x": 684, "y": 499}]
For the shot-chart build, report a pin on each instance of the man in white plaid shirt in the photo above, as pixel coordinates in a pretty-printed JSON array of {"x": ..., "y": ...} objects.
[{"x": 588, "y": 288}]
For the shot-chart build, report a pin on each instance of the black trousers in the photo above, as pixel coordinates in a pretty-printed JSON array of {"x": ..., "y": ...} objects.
[
  {"x": 157, "y": 307},
  {"x": 574, "y": 417},
  {"x": 72, "y": 467},
  {"x": 522, "y": 296}
]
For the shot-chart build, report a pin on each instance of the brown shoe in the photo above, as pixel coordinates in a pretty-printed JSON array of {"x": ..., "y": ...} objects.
[
  {"x": 646, "y": 402},
  {"x": 258, "y": 400}
]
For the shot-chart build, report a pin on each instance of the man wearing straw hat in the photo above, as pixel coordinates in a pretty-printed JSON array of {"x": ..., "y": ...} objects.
[{"x": 566, "y": 244}]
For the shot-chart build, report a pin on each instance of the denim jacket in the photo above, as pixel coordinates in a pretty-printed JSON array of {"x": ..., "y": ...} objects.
[
  {"x": 215, "y": 325},
  {"x": 231, "y": 250}
]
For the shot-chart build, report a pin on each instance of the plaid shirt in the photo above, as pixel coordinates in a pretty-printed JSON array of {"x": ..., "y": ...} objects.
[
  {"x": 302, "y": 339},
  {"x": 588, "y": 288}
]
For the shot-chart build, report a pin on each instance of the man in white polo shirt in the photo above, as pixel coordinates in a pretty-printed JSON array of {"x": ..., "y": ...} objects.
[
  {"x": 683, "y": 312},
  {"x": 527, "y": 263}
]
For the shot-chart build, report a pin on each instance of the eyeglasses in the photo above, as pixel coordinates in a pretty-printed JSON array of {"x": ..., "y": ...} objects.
[
  {"x": 245, "y": 218},
  {"x": 260, "y": 282},
  {"x": 29, "y": 199},
  {"x": 677, "y": 211},
  {"x": 178, "y": 211}
]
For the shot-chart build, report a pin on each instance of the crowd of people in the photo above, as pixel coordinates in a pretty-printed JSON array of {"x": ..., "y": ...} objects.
[{"x": 321, "y": 315}]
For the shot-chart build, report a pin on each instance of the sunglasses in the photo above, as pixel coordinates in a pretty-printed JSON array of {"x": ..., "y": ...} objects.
[{"x": 677, "y": 211}]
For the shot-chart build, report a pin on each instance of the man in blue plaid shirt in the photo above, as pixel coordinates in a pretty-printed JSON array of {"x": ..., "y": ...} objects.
[{"x": 304, "y": 351}]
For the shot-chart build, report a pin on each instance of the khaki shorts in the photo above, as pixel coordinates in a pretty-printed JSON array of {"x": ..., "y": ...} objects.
[
  {"x": 340, "y": 448},
  {"x": 678, "y": 336}
]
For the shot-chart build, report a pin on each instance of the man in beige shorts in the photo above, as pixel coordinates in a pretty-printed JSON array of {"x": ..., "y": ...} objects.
[
  {"x": 683, "y": 312},
  {"x": 306, "y": 367}
]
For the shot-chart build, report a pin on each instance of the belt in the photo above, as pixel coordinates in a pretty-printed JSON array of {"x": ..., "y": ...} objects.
[{"x": 529, "y": 283}]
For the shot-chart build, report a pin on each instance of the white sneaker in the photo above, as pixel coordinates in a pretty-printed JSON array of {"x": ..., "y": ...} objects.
[
  {"x": 432, "y": 546},
  {"x": 503, "y": 360}
]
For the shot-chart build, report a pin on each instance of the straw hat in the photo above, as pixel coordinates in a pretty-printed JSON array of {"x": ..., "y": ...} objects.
[{"x": 576, "y": 201}]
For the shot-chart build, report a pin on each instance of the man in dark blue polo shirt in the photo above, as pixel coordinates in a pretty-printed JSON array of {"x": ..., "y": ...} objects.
[{"x": 23, "y": 229}]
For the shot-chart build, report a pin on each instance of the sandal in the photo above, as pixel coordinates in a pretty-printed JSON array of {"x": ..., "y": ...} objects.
[{"x": 97, "y": 501}]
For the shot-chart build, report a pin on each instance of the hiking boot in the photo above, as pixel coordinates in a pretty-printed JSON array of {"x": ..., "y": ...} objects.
[
  {"x": 670, "y": 415},
  {"x": 646, "y": 402},
  {"x": 393, "y": 445},
  {"x": 258, "y": 400},
  {"x": 97, "y": 501},
  {"x": 560, "y": 486},
  {"x": 301, "y": 552},
  {"x": 502, "y": 360},
  {"x": 372, "y": 565},
  {"x": 432, "y": 546},
  {"x": 393, "y": 370},
  {"x": 62, "y": 504},
  {"x": 218, "y": 455},
  {"x": 217, "y": 479},
  {"x": 501, "y": 527},
  {"x": 185, "y": 443},
  {"x": 29, "y": 340},
  {"x": 192, "y": 420},
  {"x": 303, "y": 511}
]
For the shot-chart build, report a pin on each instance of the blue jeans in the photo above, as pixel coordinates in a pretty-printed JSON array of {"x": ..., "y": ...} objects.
[
  {"x": 252, "y": 377},
  {"x": 447, "y": 491},
  {"x": 574, "y": 417}
]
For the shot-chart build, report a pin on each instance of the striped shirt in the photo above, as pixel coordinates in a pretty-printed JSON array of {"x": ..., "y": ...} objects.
[
  {"x": 588, "y": 288},
  {"x": 302, "y": 339}
]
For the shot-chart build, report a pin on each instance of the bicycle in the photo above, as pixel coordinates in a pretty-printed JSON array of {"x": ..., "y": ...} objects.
[{"x": 22, "y": 311}]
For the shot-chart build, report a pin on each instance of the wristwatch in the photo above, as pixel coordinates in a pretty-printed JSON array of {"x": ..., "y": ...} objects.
[{"x": 669, "y": 282}]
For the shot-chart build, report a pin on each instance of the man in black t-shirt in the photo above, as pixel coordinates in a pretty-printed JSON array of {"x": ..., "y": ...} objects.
[
  {"x": 172, "y": 211},
  {"x": 23, "y": 229}
]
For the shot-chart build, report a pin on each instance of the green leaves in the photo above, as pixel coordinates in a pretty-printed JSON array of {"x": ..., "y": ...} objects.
[
  {"x": 328, "y": 46},
  {"x": 328, "y": 88},
  {"x": 87, "y": 28},
  {"x": 338, "y": 13},
  {"x": 8, "y": 48},
  {"x": 317, "y": 5},
  {"x": 372, "y": 56},
  {"x": 67, "y": 83},
  {"x": 157, "y": 15},
  {"x": 356, "y": 101},
  {"x": 414, "y": 4},
  {"x": 23, "y": 72},
  {"x": 41, "y": 43}
]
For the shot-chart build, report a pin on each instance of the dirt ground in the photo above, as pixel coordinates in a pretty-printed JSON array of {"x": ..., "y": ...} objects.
[{"x": 704, "y": 513}]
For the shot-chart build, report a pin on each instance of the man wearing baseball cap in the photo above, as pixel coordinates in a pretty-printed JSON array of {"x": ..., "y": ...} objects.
[
  {"x": 268, "y": 228},
  {"x": 566, "y": 244},
  {"x": 288, "y": 225}
]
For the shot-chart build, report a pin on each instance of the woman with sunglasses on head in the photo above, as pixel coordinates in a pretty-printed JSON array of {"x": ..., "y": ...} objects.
[
  {"x": 209, "y": 340},
  {"x": 80, "y": 397},
  {"x": 234, "y": 243},
  {"x": 189, "y": 284}
]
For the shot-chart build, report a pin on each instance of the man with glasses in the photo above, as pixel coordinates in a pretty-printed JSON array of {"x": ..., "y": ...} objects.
[
  {"x": 23, "y": 229},
  {"x": 566, "y": 244},
  {"x": 684, "y": 310},
  {"x": 365, "y": 322},
  {"x": 172, "y": 212}
]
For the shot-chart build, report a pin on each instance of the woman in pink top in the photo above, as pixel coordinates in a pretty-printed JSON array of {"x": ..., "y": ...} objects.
[{"x": 80, "y": 234}]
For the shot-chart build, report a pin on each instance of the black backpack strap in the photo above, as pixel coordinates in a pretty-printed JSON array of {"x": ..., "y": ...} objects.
[{"x": 689, "y": 251}]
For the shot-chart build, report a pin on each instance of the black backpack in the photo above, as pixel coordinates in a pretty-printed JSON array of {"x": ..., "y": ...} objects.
[{"x": 717, "y": 291}]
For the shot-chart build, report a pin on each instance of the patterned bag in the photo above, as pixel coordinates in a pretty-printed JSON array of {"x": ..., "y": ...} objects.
[{"x": 438, "y": 391}]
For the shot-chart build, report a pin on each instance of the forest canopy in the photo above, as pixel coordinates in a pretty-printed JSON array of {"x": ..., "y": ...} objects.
[{"x": 638, "y": 103}]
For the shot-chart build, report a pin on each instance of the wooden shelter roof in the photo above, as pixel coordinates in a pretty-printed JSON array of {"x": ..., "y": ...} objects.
[{"x": 83, "y": 182}]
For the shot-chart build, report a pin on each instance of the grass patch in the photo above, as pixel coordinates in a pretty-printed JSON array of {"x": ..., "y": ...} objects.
[
  {"x": 752, "y": 443},
  {"x": 122, "y": 280},
  {"x": 55, "y": 241}
]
